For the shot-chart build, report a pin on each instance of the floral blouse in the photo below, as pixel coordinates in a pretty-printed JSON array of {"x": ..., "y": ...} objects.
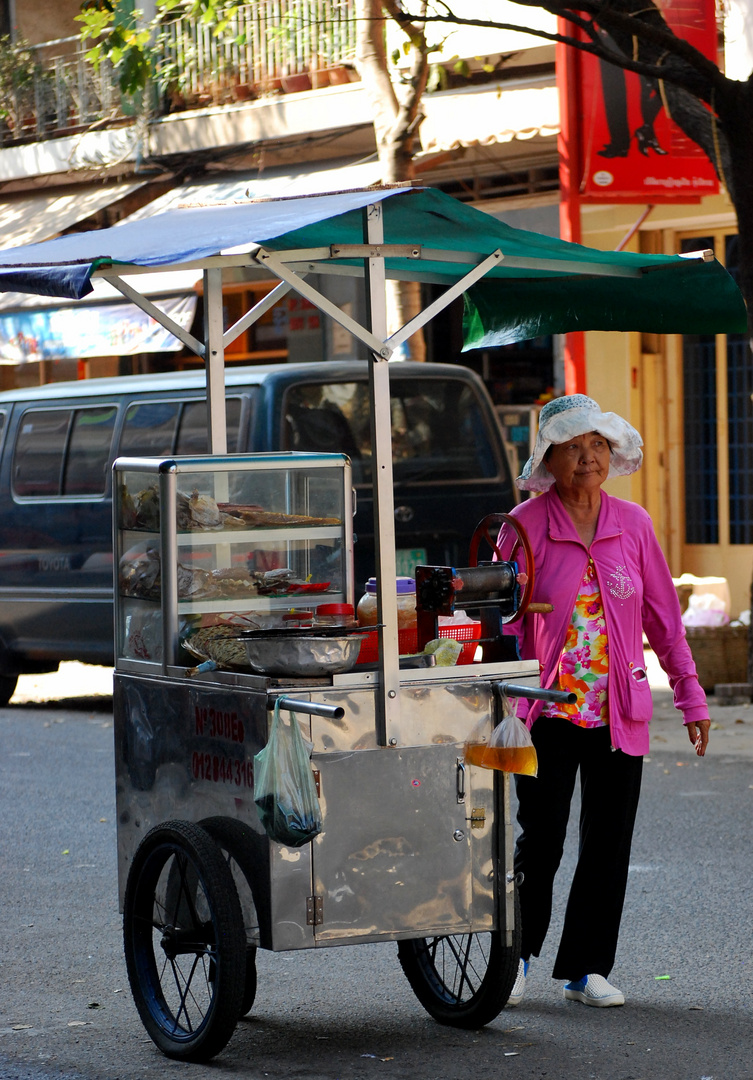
[{"x": 584, "y": 663}]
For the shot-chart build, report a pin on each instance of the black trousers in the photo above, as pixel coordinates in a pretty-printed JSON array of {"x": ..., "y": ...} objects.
[{"x": 610, "y": 784}]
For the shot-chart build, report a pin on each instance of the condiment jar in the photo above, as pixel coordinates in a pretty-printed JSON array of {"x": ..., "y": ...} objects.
[
  {"x": 293, "y": 619},
  {"x": 335, "y": 615},
  {"x": 406, "y": 604}
]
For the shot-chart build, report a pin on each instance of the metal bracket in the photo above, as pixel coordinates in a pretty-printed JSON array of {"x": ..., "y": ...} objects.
[
  {"x": 375, "y": 251},
  {"x": 478, "y": 817},
  {"x": 314, "y": 913}
]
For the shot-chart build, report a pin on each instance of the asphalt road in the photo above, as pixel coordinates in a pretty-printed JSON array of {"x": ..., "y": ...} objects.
[{"x": 684, "y": 961}]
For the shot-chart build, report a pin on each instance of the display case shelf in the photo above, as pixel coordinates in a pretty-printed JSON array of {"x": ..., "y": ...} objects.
[{"x": 161, "y": 565}]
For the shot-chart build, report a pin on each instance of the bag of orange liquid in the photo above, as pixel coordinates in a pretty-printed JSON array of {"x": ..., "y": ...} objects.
[{"x": 507, "y": 747}]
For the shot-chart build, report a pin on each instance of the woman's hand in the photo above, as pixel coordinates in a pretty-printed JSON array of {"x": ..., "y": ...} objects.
[{"x": 699, "y": 736}]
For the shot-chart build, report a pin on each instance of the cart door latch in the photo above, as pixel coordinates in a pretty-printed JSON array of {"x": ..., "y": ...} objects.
[
  {"x": 314, "y": 911},
  {"x": 478, "y": 817}
]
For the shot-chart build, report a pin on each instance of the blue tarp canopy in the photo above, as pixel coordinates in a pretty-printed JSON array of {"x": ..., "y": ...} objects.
[{"x": 539, "y": 286}]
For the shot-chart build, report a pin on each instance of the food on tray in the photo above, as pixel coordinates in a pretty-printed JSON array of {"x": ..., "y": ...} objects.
[
  {"x": 255, "y": 516},
  {"x": 140, "y": 511},
  {"x": 197, "y": 511},
  {"x": 217, "y": 643},
  {"x": 140, "y": 577}
]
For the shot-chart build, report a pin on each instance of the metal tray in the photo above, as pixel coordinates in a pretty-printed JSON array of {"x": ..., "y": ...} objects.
[{"x": 305, "y": 654}]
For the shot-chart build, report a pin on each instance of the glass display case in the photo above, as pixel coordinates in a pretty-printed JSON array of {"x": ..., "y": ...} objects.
[{"x": 243, "y": 541}]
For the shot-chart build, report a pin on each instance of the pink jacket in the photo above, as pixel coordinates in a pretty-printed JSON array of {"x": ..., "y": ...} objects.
[{"x": 637, "y": 594}]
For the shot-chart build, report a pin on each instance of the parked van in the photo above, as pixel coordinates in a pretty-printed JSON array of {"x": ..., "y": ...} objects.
[{"x": 58, "y": 442}]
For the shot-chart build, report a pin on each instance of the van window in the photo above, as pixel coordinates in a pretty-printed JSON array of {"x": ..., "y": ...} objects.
[
  {"x": 158, "y": 428},
  {"x": 439, "y": 430},
  {"x": 149, "y": 429},
  {"x": 63, "y": 451},
  {"x": 89, "y": 451},
  {"x": 192, "y": 435},
  {"x": 38, "y": 455}
]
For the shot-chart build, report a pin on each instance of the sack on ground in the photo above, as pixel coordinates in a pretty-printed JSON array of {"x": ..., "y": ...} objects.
[{"x": 284, "y": 787}]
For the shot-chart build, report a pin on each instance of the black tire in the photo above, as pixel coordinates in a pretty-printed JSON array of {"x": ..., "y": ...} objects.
[
  {"x": 184, "y": 942},
  {"x": 462, "y": 980},
  {"x": 8, "y": 685},
  {"x": 236, "y": 841}
]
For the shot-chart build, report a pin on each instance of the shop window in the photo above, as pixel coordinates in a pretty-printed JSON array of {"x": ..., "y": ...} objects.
[
  {"x": 701, "y": 491},
  {"x": 701, "y": 449},
  {"x": 739, "y": 421},
  {"x": 267, "y": 338}
]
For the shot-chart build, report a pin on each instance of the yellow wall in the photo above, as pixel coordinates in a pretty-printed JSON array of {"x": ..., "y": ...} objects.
[{"x": 640, "y": 377}]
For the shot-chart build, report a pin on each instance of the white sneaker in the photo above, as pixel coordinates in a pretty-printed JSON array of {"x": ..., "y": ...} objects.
[
  {"x": 519, "y": 986},
  {"x": 594, "y": 990}
]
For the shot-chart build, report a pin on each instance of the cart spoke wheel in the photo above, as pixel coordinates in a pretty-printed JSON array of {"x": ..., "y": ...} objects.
[
  {"x": 185, "y": 946},
  {"x": 463, "y": 980},
  {"x": 240, "y": 846}
]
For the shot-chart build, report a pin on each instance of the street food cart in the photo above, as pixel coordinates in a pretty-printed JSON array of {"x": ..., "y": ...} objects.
[{"x": 416, "y": 844}]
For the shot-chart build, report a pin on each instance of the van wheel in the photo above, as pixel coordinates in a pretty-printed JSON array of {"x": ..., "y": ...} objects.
[{"x": 7, "y": 688}]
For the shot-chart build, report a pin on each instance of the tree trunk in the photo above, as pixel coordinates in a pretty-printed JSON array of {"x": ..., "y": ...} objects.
[{"x": 395, "y": 124}]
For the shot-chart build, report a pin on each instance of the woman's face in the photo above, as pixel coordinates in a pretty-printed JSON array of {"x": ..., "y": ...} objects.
[{"x": 581, "y": 464}]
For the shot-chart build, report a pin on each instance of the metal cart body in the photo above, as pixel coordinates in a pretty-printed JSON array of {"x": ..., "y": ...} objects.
[{"x": 413, "y": 843}]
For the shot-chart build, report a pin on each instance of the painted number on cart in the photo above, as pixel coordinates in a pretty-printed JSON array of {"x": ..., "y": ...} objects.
[
  {"x": 222, "y": 770},
  {"x": 219, "y": 724}
]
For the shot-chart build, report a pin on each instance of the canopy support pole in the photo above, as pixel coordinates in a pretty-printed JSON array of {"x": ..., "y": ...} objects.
[
  {"x": 155, "y": 313},
  {"x": 255, "y": 313},
  {"x": 273, "y": 261},
  {"x": 442, "y": 301},
  {"x": 388, "y": 691},
  {"x": 215, "y": 361}
]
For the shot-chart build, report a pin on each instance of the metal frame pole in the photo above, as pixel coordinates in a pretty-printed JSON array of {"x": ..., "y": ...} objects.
[
  {"x": 214, "y": 358},
  {"x": 388, "y": 691}
]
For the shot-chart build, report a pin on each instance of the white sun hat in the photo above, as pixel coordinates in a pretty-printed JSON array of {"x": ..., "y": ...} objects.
[{"x": 563, "y": 419}]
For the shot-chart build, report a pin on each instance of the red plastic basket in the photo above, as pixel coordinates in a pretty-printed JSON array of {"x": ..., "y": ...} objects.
[{"x": 467, "y": 633}]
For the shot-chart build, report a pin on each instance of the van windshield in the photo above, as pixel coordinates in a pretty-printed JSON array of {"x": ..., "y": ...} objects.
[{"x": 439, "y": 429}]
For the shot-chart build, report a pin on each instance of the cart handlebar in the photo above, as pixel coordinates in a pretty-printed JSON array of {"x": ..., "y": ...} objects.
[
  {"x": 314, "y": 708},
  {"x": 536, "y": 693}
]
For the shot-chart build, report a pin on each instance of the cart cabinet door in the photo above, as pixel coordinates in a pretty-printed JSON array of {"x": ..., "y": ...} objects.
[{"x": 393, "y": 856}]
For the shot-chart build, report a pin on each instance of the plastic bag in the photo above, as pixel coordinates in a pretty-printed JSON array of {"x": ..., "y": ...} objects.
[
  {"x": 284, "y": 788},
  {"x": 507, "y": 747}
]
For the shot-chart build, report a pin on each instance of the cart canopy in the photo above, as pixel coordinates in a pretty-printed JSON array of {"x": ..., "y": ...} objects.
[{"x": 540, "y": 285}]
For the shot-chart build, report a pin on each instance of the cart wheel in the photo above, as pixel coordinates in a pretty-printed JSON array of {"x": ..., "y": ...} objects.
[
  {"x": 184, "y": 941},
  {"x": 463, "y": 980},
  {"x": 236, "y": 841}
]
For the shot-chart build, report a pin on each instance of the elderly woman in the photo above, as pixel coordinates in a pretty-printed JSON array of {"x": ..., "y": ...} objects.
[{"x": 598, "y": 562}]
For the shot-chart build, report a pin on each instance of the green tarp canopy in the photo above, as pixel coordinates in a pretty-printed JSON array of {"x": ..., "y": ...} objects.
[{"x": 539, "y": 286}]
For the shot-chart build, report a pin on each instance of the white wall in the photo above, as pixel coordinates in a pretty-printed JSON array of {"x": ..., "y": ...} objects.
[{"x": 738, "y": 39}]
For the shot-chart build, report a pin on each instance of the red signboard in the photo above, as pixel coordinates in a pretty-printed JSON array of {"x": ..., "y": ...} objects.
[{"x": 631, "y": 149}]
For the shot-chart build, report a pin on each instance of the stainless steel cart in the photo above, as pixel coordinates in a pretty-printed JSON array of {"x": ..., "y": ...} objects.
[{"x": 416, "y": 847}]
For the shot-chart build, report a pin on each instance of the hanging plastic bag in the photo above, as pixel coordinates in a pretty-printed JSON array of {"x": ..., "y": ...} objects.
[
  {"x": 284, "y": 788},
  {"x": 507, "y": 747}
]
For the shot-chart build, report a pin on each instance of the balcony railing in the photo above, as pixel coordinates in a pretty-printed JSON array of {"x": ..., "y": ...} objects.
[{"x": 269, "y": 47}]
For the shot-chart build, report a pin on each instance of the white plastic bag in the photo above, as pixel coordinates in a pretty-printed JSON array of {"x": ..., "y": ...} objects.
[{"x": 284, "y": 788}]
